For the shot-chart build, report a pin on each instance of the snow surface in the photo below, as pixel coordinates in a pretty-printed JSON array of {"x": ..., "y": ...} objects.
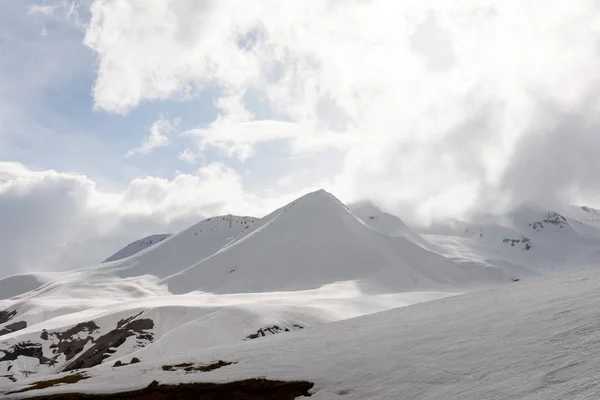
[
  {"x": 137, "y": 246},
  {"x": 182, "y": 249},
  {"x": 211, "y": 289},
  {"x": 520, "y": 341}
]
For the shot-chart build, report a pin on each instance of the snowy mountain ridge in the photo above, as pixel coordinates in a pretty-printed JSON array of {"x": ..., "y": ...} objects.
[
  {"x": 230, "y": 280},
  {"x": 137, "y": 246}
]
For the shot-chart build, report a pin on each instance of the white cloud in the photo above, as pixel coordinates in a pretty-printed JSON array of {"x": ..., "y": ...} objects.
[
  {"x": 158, "y": 136},
  {"x": 430, "y": 100},
  {"x": 56, "y": 221},
  {"x": 190, "y": 156},
  {"x": 43, "y": 9}
]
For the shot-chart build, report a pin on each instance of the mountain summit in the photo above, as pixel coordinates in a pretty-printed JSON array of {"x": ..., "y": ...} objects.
[{"x": 313, "y": 241}]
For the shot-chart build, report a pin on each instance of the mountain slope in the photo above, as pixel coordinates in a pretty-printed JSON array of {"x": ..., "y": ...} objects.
[
  {"x": 522, "y": 341},
  {"x": 315, "y": 241},
  {"x": 529, "y": 240},
  {"x": 182, "y": 249},
  {"x": 387, "y": 224},
  {"x": 137, "y": 246}
]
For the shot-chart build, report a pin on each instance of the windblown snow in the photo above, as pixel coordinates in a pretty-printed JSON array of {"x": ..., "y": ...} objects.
[{"x": 222, "y": 287}]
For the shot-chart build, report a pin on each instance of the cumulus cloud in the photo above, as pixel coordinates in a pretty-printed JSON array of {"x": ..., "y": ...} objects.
[
  {"x": 58, "y": 221},
  {"x": 436, "y": 97},
  {"x": 158, "y": 136}
]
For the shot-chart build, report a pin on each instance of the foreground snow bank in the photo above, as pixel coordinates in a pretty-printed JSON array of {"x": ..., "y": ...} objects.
[{"x": 524, "y": 341}]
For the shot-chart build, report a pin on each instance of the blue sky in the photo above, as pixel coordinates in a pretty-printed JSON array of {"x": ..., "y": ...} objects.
[
  {"x": 56, "y": 109},
  {"x": 53, "y": 73}
]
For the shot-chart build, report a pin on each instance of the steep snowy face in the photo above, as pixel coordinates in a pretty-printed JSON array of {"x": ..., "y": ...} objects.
[
  {"x": 182, "y": 249},
  {"x": 315, "y": 241},
  {"x": 137, "y": 246}
]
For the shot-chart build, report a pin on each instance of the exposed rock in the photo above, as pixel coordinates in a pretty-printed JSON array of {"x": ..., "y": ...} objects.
[
  {"x": 118, "y": 363},
  {"x": 70, "y": 343},
  {"x": 134, "y": 360},
  {"x": 26, "y": 349},
  {"x": 16, "y": 326},
  {"x": 88, "y": 327},
  {"x": 526, "y": 241},
  {"x": 190, "y": 367},
  {"x": 9, "y": 377},
  {"x": 555, "y": 218},
  {"x": 272, "y": 330},
  {"x": 6, "y": 316},
  {"x": 115, "y": 338}
]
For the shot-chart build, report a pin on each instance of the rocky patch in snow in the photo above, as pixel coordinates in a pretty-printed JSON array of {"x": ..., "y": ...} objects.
[
  {"x": 6, "y": 316},
  {"x": 552, "y": 218},
  {"x": 526, "y": 242},
  {"x": 26, "y": 349},
  {"x": 104, "y": 345},
  {"x": 80, "y": 346},
  {"x": 15, "y": 326},
  {"x": 273, "y": 330},
  {"x": 191, "y": 367}
]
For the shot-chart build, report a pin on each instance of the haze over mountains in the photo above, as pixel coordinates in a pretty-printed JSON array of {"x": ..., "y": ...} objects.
[{"x": 230, "y": 280}]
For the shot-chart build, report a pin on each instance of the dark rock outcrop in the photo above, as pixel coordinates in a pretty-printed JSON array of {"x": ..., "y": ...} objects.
[
  {"x": 272, "y": 330},
  {"x": 26, "y": 349},
  {"x": 6, "y": 316},
  {"x": 16, "y": 326},
  {"x": 115, "y": 338},
  {"x": 69, "y": 342}
]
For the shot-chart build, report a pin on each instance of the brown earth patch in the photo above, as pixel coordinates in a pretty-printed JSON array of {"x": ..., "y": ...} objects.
[
  {"x": 73, "y": 378},
  {"x": 251, "y": 389}
]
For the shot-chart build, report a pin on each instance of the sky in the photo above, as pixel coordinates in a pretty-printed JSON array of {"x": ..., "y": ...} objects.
[{"x": 123, "y": 118}]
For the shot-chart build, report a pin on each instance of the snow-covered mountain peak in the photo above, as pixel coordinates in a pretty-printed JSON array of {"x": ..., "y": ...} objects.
[
  {"x": 319, "y": 199},
  {"x": 315, "y": 241},
  {"x": 137, "y": 246}
]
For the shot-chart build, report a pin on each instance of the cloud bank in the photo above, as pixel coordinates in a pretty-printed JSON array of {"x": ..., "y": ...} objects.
[
  {"x": 58, "y": 221},
  {"x": 430, "y": 108},
  {"x": 433, "y": 103}
]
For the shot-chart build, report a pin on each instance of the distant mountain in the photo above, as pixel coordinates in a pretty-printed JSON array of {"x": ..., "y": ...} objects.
[
  {"x": 528, "y": 240},
  {"x": 314, "y": 241},
  {"x": 181, "y": 250},
  {"x": 137, "y": 246}
]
